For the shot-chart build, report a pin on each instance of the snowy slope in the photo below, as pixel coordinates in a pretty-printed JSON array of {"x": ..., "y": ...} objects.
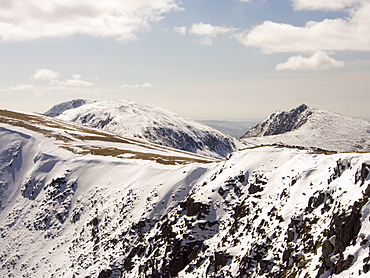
[
  {"x": 58, "y": 109},
  {"x": 153, "y": 124},
  {"x": 309, "y": 127},
  {"x": 76, "y": 202}
]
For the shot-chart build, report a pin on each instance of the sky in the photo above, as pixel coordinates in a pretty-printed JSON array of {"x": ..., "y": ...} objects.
[{"x": 203, "y": 59}]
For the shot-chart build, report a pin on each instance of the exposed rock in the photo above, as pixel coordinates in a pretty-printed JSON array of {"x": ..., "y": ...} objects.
[
  {"x": 281, "y": 122},
  {"x": 253, "y": 188}
]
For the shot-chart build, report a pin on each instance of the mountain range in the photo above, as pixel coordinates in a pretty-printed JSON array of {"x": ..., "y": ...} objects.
[{"x": 80, "y": 201}]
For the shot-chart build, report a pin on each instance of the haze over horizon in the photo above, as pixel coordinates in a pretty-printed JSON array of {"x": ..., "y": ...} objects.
[{"x": 224, "y": 60}]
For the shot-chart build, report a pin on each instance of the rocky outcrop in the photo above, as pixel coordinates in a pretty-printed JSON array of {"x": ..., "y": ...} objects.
[
  {"x": 313, "y": 129},
  {"x": 281, "y": 122}
]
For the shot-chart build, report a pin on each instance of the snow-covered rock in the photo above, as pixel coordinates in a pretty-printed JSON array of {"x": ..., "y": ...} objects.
[
  {"x": 310, "y": 127},
  {"x": 78, "y": 202},
  {"x": 153, "y": 124},
  {"x": 58, "y": 109}
]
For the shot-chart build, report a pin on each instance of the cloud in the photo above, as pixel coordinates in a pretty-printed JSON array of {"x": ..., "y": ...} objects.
[
  {"x": 33, "y": 19},
  {"x": 21, "y": 87},
  {"x": 45, "y": 74},
  {"x": 181, "y": 30},
  {"x": 340, "y": 34},
  {"x": 334, "y": 5},
  {"x": 145, "y": 85},
  {"x": 76, "y": 81},
  {"x": 55, "y": 85},
  {"x": 54, "y": 76},
  {"x": 209, "y": 32},
  {"x": 318, "y": 61}
]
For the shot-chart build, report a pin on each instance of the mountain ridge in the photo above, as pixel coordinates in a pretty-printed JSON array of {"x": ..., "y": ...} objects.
[
  {"x": 310, "y": 127},
  {"x": 82, "y": 202},
  {"x": 281, "y": 122},
  {"x": 263, "y": 212},
  {"x": 150, "y": 123}
]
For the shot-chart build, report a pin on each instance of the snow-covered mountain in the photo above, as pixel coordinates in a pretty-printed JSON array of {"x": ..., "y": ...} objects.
[
  {"x": 79, "y": 202},
  {"x": 58, "y": 109},
  {"x": 150, "y": 123},
  {"x": 309, "y": 127}
]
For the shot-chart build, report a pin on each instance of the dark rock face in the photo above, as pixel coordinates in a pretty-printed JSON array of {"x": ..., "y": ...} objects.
[
  {"x": 343, "y": 232},
  {"x": 281, "y": 122},
  {"x": 55, "y": 209},
  {"x": 172, "y": 250},
  {"x": 363, "y": 173},
  {"x": 184, "y": 141},
  {"x": 94, "y": 121}
]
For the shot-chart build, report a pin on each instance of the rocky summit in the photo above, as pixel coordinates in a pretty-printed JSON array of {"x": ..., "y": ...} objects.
[
  {"x": 281, "y": 122},
  {"x": 311, "y": 128}
]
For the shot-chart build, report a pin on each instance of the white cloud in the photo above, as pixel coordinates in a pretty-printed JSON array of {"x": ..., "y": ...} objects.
[
  {"x": 181, "y": 30},
  {"x": 54, "y": 76},
  {"x": 76, "y": 77},
  {"x": 209, "y": 32},
  {"x": 318, "y": 61},
  {"x": 56, "y": 84},
  {"x": 324, "y": 5},
  {"x": 206, "y": 41},
  {"x": 45, "y": 74},
  {"x": 21, "y": 87},
  {"x": 76, "y": 81},
  {"x": 26, "y": 20},
  {"x": 145, "y": 85},
  {"x": 349, "y": 34}
]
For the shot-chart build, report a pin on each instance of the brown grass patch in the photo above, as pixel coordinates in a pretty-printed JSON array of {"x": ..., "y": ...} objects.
[{"x": 72, "y": 134}]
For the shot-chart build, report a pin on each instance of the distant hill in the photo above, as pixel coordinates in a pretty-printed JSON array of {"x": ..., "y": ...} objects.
[
  {"x": 150, "y": 123},
  {"x": 309, "y": 127}
]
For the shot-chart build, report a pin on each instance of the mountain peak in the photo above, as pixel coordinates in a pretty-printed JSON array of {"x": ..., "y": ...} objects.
[
  {"x": 281, "y": 122},
  {"x": 58, "y": 109},
  {"x": 149, "y": 123},
  {"x": 312, "y": 128},
  {"x": 301, "y": 107}
]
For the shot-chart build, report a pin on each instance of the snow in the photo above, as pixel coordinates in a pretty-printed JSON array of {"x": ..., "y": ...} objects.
[
  {"x": 76, "y": 202},
  {"x": 151, "y": 124},
  {"x": 64, "y": 106},
  {"x": 317, "y": 128}
]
